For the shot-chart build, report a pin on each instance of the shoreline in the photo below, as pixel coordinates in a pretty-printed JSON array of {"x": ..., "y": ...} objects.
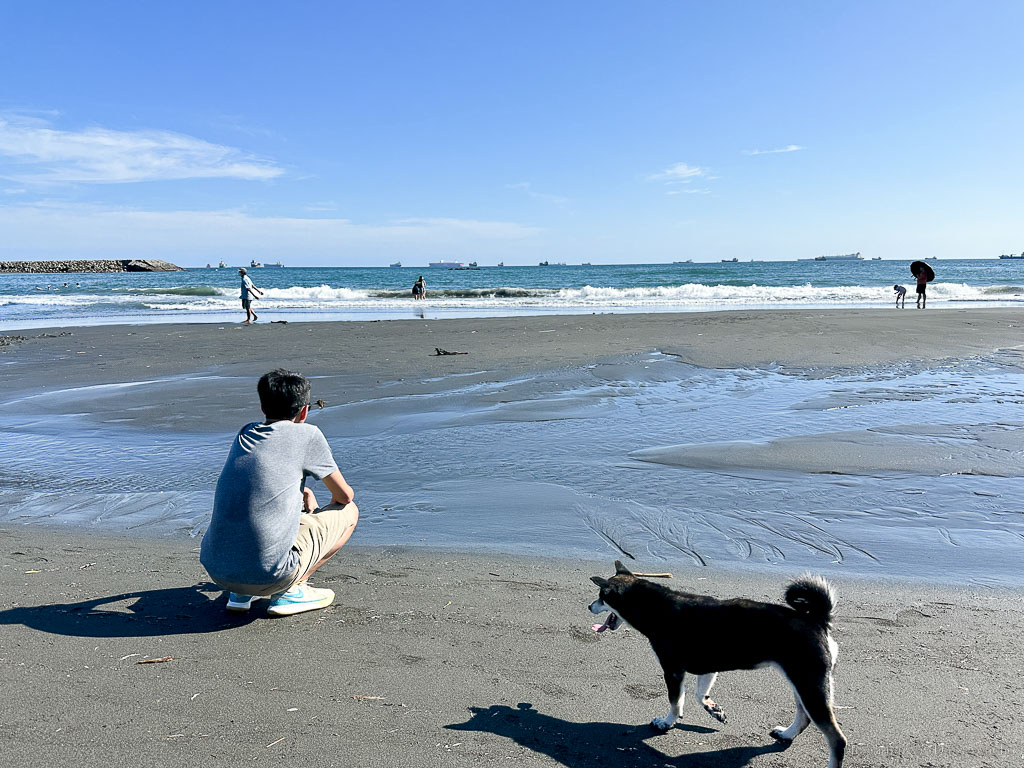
[{"x": 434, "y": 658}]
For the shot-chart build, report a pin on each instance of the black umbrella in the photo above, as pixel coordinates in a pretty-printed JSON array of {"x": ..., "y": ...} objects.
[{"x": 920, "y": 266}]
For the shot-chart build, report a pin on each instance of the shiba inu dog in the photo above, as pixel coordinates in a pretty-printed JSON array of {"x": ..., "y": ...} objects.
[{"x": 704, "y": 636}]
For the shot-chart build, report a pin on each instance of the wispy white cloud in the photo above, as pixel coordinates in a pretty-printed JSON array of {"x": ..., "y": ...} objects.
[
  {"x": 680, "y": 173},
  {"x": 787, "y": 148},
  {"x": 37, "y": 153},
  {"x": 527, "y": 187},
  {"x": 90, "y": 231},
  {"x": 676, "y": 178}
]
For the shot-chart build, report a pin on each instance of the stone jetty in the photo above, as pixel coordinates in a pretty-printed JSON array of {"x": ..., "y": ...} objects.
[{"x": 93, "y": 265}]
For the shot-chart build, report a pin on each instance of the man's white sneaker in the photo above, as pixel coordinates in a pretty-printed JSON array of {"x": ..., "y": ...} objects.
[
  {"x": 239, "y": 603},
  {"x": 298, "y": 599}
]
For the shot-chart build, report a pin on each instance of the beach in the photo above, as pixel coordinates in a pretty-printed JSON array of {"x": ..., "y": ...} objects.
[
  {"x": 440, "y": 658},
  {"x": 734, "y": 449}
]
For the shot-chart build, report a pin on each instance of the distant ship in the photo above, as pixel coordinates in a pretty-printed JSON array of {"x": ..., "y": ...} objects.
[
  {"x": 688, "y": 261},
  {"x": 876, "y": 258},
  {"x": 551, "y": 264},
  {"x": 442, "y": 264},
  {"x": 255, "y": 264},
  {"x": 397, "y": 264},
  {"x": 501, "y": 263},
  {"x": 733, "y": 260},
  {"x": 845, "y": 257},
  {"x": 221, "y": 265},
  {"x": 276, "y": 264},
  {"x": 1011, "y": 256}
]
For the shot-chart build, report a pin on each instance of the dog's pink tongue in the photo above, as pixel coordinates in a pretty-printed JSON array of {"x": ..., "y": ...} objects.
[{"x": 602, "y": 627}]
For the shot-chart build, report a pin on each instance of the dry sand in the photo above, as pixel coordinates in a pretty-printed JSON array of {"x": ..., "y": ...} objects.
[{"x": 433, "y": 658}]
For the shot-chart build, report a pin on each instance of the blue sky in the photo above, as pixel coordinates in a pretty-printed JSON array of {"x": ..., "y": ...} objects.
[{"x": 359, "y": 134}]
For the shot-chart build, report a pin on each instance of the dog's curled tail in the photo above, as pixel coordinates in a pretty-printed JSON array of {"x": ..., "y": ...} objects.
[{"x": 812, "y": 596}]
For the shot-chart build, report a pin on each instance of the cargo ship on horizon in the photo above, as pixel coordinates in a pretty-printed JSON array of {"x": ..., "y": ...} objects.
[{"x": 843, "y": 257}]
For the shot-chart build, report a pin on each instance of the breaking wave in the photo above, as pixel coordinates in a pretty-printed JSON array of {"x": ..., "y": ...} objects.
[
  {"x": 688, "y": 296},
  {"x": 184, "y": 290}
]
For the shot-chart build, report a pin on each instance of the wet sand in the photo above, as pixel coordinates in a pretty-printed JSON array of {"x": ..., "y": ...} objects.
[
  {"x": 448, "y": 659},
  {"x": 396, "y": 349},
  {"x": 357, "y": 356}
]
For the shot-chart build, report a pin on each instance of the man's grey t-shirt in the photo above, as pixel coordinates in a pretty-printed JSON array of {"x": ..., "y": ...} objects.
[
  {"x": 246, "y": 286},
  {"x": 258, "y": 501}
]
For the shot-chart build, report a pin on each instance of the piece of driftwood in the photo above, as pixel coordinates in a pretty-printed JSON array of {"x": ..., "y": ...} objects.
[
  {"x": 654, "y": 575},
  {"x": 438, "y": 352}
]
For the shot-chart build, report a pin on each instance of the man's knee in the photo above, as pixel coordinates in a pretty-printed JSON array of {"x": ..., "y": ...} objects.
[{"x": 346, "y": 514}]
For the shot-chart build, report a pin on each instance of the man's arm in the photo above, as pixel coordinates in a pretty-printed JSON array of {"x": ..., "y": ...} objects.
[{"x": 341, "y": 491}]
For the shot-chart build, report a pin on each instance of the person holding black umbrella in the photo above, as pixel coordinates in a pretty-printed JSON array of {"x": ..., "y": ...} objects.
[{"x": 924, "y": 274}]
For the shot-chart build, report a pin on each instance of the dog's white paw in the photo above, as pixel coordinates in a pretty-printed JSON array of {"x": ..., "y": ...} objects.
[
  {"x": 714, "y": 710},
  {"x": 779, "y": 734},
  {"x": 662, "y": 723}
]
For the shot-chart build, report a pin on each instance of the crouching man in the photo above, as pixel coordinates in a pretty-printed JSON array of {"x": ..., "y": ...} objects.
[{"x": 267, "y": 536}]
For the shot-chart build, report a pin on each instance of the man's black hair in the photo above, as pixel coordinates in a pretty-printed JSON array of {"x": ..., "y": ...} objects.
[{"x": 282, "y": 394}]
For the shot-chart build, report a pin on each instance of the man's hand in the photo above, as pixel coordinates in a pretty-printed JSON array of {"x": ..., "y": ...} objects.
[{"x": 309, "y": 502}]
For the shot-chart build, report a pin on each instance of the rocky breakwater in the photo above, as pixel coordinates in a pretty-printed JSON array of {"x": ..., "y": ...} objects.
[{"x": 94, "y": 265}]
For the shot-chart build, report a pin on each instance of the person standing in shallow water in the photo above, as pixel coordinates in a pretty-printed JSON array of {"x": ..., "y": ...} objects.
[
  {"x": 922, "y": 287},
  {"x": 249, "y": 292}
]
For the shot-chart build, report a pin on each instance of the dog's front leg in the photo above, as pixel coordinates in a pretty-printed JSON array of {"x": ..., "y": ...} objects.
[{"x": 676, "y": 696}]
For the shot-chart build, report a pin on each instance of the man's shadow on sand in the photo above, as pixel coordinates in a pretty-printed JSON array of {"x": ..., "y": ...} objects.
[
  {"x": 598, "y": 745},
  {"x": 173, "y": 611}
]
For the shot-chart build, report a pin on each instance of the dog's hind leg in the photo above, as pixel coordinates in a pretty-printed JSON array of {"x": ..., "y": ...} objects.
[
  {"x": 816, "y": 698},
  {"x": 800, "y": 722},
  {"x": 704, "y": 683},
  {"x": 676, "y": 696}
]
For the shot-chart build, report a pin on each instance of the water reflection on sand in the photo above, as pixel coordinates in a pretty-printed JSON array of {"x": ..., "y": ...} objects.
[{"x": 903, "y": 473}]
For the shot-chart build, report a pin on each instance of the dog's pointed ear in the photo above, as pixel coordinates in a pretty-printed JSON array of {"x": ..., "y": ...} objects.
[
  {"x": 601, "y": 583},
  {"x": 620, "y": 569}
]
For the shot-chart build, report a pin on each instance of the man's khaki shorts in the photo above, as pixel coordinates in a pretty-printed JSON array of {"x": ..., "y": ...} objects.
[{"x": 319, "y": 532}]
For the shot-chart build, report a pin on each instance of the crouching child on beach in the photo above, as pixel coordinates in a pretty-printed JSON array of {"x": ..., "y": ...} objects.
[
  {"x": 901, "y": 296},
  {"x": 267, "y": 536}
]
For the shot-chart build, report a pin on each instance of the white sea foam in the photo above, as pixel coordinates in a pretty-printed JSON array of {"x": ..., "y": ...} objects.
[{"x": 325, "y": 299}]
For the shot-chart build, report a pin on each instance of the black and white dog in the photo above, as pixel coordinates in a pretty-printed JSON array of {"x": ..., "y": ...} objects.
[{"x": 704, "y": 636}]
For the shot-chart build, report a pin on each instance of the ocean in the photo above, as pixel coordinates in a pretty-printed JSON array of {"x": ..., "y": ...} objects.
[{"x": 377, "y": 293}]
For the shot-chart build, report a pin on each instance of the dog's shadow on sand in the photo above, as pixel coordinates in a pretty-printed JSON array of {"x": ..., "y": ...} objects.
[
  {"x": 598, "y": 745},
  {"x": 173, "y": 611}
]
